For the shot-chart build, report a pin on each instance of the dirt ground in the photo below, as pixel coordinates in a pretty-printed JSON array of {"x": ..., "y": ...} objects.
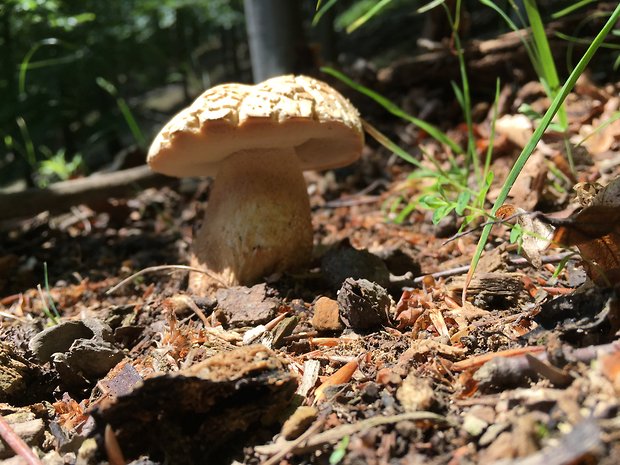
[{"x": 363, "y": 357}]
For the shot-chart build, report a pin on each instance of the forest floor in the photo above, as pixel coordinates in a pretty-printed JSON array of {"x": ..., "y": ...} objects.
[{"x": 364, "y": 356}]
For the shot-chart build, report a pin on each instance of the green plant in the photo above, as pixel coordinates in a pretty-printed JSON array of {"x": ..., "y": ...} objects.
[
  {"x": 48, "y": 302},
  {"x": 52, "y": 52},
  {"x": 451, "y": 189},
  {"x": 537, "y": 47},
  {"x": 544, "y": 123},
  {"x": 57, "y": 168},
  {"x": 355, "y": 16},
  {"x": 339, "y": 451},
  {"x": 124, "y": 109}
]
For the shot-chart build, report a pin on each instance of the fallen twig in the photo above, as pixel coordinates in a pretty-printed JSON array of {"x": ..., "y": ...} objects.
[
  {"x": 335, "y": 434},
  {"x": 17, "y": 444},
  {"x": 159, "y": 268},
  {"x": 520, "y": 261},
  {"x": 479, "y": 360},
  {"x": 507, "y": 372},
  {"x": 62, "y": 195},
  {"x": 288, "y": 446},
  {"x": 113, "y": 448}
]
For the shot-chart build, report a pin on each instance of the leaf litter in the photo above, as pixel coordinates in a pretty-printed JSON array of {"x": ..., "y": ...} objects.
[{"x": 364, "y": 353}]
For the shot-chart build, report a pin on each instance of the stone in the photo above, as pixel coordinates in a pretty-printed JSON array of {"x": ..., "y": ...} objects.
[{"x": 326, "y": 315}]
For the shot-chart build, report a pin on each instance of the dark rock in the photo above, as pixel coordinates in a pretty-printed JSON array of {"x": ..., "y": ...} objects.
[
  {"x": 363, "y": 304},
  {"x": 80, "y": 350},
  {"x": 59, "y": 338},
  {"x": 400, "y": 262},
  {"x": 344, "y": 262},
  {"x": 245, "y": 306},
  {"x": 85, "y": 361},
  {"x": 587, "y": 317}
]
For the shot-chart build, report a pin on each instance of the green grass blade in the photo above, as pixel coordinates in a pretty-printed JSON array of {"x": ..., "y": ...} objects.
[
  {"x": 124, "y": 109},
  {"x": 430, "y": 6},
  {"x": 433, "y": 131},
  {"x": 29, "y": 150},
  {"x": 614, "y": 117},
  {"x": 543, "y": 52},
  {"x": 489, "y": 154},
  {"x": 47, "y": 289},
  {"x": 391, "y": 146},
  {"x": 569, "y": 9},
  {"x": 527, "y": 151},
  {"x": 359, "y": 22},
  {"x": 583, "y": 41},
  {"x": 511, "y": 24},
  {"x": 321, "y": 10},
  {"x": 472, "y": 154}
]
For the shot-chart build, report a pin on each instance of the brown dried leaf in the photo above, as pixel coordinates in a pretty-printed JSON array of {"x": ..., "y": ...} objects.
[
  {"x": 595, "y": 230},
  {"x": 537, "y": 234},
  {"x": 528, "y": 188}
]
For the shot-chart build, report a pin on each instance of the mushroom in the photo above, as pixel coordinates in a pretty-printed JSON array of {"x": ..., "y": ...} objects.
[{"x": 256, "y": 141}]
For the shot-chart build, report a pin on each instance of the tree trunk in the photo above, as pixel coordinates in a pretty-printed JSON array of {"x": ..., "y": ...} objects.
[{"x": 273, "y": 36}]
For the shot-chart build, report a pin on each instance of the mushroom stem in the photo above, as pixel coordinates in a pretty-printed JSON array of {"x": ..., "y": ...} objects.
[{"x": 257, "y": 221}]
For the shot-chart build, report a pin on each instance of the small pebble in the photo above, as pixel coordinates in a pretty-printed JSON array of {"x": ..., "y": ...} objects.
[{"x": 326, "y": 315}]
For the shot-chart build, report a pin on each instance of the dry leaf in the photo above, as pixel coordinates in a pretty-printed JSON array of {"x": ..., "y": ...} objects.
[
  {"x": 517, "y": 128},
  {"x": 595, "y": 231},
  {"x": 529, "y": 185},
  {"x": 536, "y": 233}
]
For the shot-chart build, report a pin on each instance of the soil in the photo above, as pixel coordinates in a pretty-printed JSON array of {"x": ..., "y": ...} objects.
[{"x": 397, "y": 369}]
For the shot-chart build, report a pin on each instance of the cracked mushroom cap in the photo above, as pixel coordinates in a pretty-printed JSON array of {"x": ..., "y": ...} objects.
[{"x": 283, "y": 112}]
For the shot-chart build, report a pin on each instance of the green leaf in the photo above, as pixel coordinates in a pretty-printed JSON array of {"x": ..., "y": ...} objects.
[
  {"x": 339, "y": 451},
  {"x": 431, "y": 202},
  {"x": 441, "y": 212},
  {"x": 461, "y": 202},
  {"x": 405, "y": 212},
  {"x": 569, "y": 9},
  {"x": 543, "y": 52},
  {"x": 367, "y": 16},
  {"x": 515, "y": 234},
  {"x": 323, "y": 9}
]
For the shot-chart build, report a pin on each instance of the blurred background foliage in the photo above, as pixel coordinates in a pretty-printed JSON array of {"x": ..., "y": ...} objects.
[
  {"x": 74, "y": 72},
  {"x": 84, "y": 84}
]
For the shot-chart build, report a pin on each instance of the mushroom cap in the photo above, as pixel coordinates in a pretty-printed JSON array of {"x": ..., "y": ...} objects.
[{"x": 289, "y": 111}]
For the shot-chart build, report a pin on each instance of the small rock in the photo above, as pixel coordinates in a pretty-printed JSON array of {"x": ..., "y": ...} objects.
[
  {"x": 344, "y": 262},
  {"x": 491, "y": 433},
  {"x": 473, "y": 425},
  {"x": 80, "y": 350},
  {"x": 27, "y": 427},
  {"x": 399, "y": 262},
  {"x": 59, "y": 338},
  {"x": 363, "y": 304},
  {"x": 299, "y": 422},
  {"x": 477, "y": 419},
  {"x": 284, "y": 329},
  {"x": 326, "y": 315},
  {"x": 246, "y": 306},
  {"x": 370, "y": 392},
  {"x": 416, "y": 393},
  {"x": 85, "y": 361}
]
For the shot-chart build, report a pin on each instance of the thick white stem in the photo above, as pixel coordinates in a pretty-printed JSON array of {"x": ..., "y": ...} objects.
[{"x": 257, "y": 221}]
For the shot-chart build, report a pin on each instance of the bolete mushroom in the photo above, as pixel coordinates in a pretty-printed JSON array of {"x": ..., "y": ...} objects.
[{"x": 256, "y": 141}]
